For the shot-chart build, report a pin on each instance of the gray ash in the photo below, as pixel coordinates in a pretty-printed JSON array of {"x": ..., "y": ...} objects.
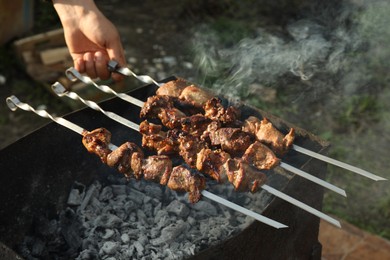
[{"x": 136, "y": 219}]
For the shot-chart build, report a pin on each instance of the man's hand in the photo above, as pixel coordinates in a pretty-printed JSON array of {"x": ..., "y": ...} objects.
[{"x": 91, "y": 38}]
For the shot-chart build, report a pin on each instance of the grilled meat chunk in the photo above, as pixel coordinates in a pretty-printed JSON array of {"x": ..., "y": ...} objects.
[
  {"x": 260, "y": 156},
  {"x": 243, "y": 176},
  {"x": 214, "y": 110},
  {"x": 156, "y": 139},
  {"x": 195, "y": 124},
  {"x": 266, "y": 133},
  {"x": 189, "y": 147},
  {"x": 231, "y": 140},
  {"x": 211, "y": 162},
  {"x": 172, "y": 88},
  {"x": 97, "y": 142},
  {"x": 125, "y": 157},
  {"x": 162, "y": 107},
  {"x": 195, "y": 96},
  {"x": 182, "y": 179},
  {"x": 157, "y": 168}
]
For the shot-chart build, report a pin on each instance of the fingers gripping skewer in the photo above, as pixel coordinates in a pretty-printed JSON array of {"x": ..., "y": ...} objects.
[
  {"x": 114, "y": 67},
  {"x": 266, "y": 187},
  {"x": 61, "y": 91},
  {"x": 14, "y": 103}
]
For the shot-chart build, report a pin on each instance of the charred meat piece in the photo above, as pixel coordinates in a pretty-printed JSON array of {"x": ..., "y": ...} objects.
[
  {"x": 211, "y": 162},
  {"x": 195, "y": 124},
  {"x": 157, "y": 168},
  {"x": 189, "y": 147},
  {"x": 126, "y": 156},
  {"x": 182, "y": 179},
  {"x": 156, "y": 139},
  {"x": 266, "y": 133},
  {"x": 231, "y": 140},
  {"x": 97, "y": 142},
  {"x": 243, "y": 176},
  {"x": 172, "y": 88},
  {"x": 162, "y": 107},
  {"x": 210, "y": 130},
  {"x": 195, "y": 96},
  {"x": 214, "y": 110},
  {"x": 260, "y": 156}
]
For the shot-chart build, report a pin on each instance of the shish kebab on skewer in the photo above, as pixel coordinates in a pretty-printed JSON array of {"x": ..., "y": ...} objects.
[
  {"x": 98, "y": 141},
  {"x": 73, "y": 74},
  {"x": 61, "y": 91}
]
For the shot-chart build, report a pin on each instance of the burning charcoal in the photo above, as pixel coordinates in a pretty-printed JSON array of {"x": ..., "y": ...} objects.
[
  {"x": 142, "y": 218},
  {"x": 206, "y": 207},
  {"x": 136, "y": 196},
  {"x": 148, "y": 209},
  {"x": 108, "y": 234},
  {"x": 106, "y": 194},
  {"x": 178, "y": 208},
  {"x": 129, "y": 206},
  {"x": 125, "y": 238},
  {"x": 170, "y": 233},
  {"x": 71, "y": 228},
  {"x": 76, "y": 194},
  {"x": 88, "y": 254},
  {"x": 107, "y": 221},
  {"x": 92, "y": 191},
  {"x": 139, "y": 247},
  {"x": 119, "y": 189},
  {"x": 38, "y": 249},
  {"x": 154, "y": 191},
  {"x": 109, "y": 248}
]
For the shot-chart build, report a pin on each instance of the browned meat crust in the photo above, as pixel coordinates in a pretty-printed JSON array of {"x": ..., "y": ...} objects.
[
  {"x": 182, "y": 179},
  {"x": 266, "y": 133},
  {"x": 97, "y": 142}
]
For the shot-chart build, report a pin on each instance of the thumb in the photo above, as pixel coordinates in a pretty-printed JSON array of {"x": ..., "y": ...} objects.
[{"x": 116, "y": 52}]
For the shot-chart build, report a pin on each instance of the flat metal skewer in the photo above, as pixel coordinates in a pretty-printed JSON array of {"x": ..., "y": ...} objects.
[
  {"x": 113, "y": 66},
  {"x": 61, "y": 91},
  {"x": 14, "y": 103}
]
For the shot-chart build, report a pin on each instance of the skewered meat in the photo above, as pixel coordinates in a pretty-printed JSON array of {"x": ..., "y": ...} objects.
[
  {"x": 97, "y": 142},
  {"x": 195, "y": 125},
  {"x": 214, "y": 110},
  {"x": 172, "y": 88},
  {"x": 181, "y": 89},
  {"x": 182, "y": 179},
  {"x": 156, "y": 139},
  {"x": 266, "y": 133},
  {"x": 189, "y": 147},
  {"x": 260, "y": 156},
  {"x": 195, "y": 96},
  {"x": 243, "y": 176},
  {"x": 127, "y": 158},
  {"x": 157, "y": 168},
  {"x": 231, "y": 140},
  {"x": 162, "y": 107},
  {"x": 211, "y": 162}
]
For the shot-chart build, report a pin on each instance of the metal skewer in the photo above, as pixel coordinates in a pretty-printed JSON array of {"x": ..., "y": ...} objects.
[
  {"x": 61, "y": 91},
  {"x": 14, "y": 103},
  {"x": 113, "y": 66}
]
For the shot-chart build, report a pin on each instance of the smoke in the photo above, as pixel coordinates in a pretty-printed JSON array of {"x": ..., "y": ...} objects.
[{"x": 329, "y": 49}]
